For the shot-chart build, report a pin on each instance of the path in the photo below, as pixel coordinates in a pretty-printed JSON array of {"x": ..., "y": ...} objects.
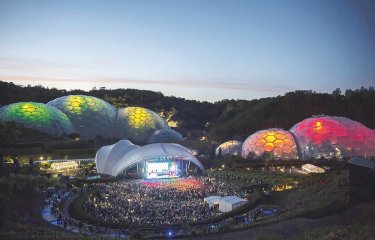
[{"x": 289, "y": 228}]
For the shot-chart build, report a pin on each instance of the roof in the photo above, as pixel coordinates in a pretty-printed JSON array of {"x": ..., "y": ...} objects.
[
  {"x": 113, "y": 159},
  {"x": 363, "y": 162},
  {"x": 232, "y": 199},
  {"x": 211, "y": 198},
  {"x": 312, "y": 167}
]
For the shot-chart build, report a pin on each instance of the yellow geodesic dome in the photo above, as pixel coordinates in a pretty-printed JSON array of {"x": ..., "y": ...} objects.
[
  {"x": 270, "y": 143},
  {"x": 90, "y": 116},
  {"x": 137, "y": 123}
]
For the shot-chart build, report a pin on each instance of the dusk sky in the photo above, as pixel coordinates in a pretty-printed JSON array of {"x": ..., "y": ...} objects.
[{"x": 204, "y": 50}]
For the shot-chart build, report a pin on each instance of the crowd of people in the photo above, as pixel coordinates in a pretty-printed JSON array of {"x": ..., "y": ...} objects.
[
  {"x": 53, "y": 202},
  {"x": 157, "y": 201}
]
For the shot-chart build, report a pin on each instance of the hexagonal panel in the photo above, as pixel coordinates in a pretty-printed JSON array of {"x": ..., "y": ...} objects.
[
  {"x": 137, "y": 123},
  {"x": 270, "y": 141},
  {"x": 90, "y": 116},
  {"x": 37, "y": 116},
  {"x": 331, "y": 136}
]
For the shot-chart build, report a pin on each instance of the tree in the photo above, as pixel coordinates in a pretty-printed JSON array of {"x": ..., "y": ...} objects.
[
  {"x": 16, "y": 165},
  {"x": 336, "y": 92},
  {"x": 31, "y": 166},
  {"x": 2, "y": 170}
]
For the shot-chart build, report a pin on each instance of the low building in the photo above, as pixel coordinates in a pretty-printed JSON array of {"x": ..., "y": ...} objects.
[
  {"x": 309, "y": 168},
  {"x": 362, "y": 179}
]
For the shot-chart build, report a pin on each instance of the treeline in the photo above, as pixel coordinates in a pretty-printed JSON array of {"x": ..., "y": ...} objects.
[
  {"x": 190, "y": 114},
  {"x": 227, "y": 119},
  {"x": 242, "y": 118}
]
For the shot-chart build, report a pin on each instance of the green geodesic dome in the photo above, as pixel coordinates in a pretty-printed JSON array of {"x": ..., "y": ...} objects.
[
  {"x": 37, "y": 116},
  {"x": 90, "y": 116},
  {"x": 137, "y": 123}
]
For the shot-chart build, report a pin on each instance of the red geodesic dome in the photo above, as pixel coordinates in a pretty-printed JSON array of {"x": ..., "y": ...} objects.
[
  {"x": 331, "y": 136},
  {"x": 271, "y": 143}
]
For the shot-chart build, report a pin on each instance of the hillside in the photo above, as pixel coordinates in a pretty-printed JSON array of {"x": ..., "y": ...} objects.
[{"x": 227, "y": 118}]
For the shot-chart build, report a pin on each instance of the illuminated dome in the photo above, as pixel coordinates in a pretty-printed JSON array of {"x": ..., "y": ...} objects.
[
  {"x": 331, "y": 136},
  {"x": 138, "y": 123},
  {"x": 37, "y": 116},
  {"x": 116, "y": 158},
  {"x": 232, "y": 147},
  {"x": 164, "y": 136},
  {"x": 273, "y": 143},
  {"x": 90, "y": 116}
]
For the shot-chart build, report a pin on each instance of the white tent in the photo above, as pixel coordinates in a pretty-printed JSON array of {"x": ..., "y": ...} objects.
[
  {"x": 229, "y": 203},
  {"x": 309, "y": 168},
  {"x": 113, "y": 159},
  {"x": 212, "y": 200}
]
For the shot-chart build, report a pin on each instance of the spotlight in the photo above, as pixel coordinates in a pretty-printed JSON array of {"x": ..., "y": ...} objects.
[{"x": 169, "y": 233}]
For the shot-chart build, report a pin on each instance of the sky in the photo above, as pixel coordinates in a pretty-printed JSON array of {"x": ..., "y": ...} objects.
[{"x": 197, "y": 49}]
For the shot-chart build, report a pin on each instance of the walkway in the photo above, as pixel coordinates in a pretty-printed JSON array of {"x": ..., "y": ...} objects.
[{"x": 52, "y": 219}]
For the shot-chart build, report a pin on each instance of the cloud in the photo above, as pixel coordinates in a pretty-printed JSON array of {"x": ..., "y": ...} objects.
[
  {"x": 178, "y": 83},
  {"x": 39, "y": 71}
]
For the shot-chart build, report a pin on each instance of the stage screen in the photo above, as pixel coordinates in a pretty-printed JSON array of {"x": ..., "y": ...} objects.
[{"x": 159, "y": 169}]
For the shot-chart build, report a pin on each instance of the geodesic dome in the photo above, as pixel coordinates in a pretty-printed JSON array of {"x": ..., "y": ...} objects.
[
  {"x": 137, "y": 123},
  {"x": 331, "y": 136},
  {"x": 116, "y": 158},
  {"x": 232, "y": 147},
  {"x": 271, "y": 143},
  {"x": 37, "y": 116},
  {"x": 90, "y": 116},
  {"x": 165, "y": 136}
]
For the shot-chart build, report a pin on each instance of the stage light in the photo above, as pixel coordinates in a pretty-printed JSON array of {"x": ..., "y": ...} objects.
[{"x": 170, "y": 233}]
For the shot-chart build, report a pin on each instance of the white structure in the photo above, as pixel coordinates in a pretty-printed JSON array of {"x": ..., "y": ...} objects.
[
  {"x": 232, "y": 147},
  {"x": 309, "y": 168},
  {"x": 166, "y": 135},
  {"x": 229, "y": 203},
  {"x": 114, "y": 159},
  {"x": 212, "y": 200},
  {"x": 61, "y": 166}
]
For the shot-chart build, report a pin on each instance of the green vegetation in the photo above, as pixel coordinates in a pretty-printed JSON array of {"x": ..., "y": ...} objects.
[
  {"x": 19, "y": 209},
  {"x": 227, "y": 119},
  {"x": 312, "y": 196},
  {"x": 241, "y": 118},
  {"x": 363, "y": 227},
  {"x": 19, "y": 203}
]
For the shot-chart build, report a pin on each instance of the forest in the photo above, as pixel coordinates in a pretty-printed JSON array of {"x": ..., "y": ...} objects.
[{"x": 225, "y": 119}]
